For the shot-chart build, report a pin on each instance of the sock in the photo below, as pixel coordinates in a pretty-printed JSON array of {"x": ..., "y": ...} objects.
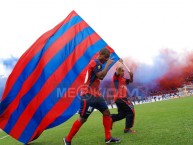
[
  {"x": 75, "y": 127},
  {"x": 107, "y": 122}
]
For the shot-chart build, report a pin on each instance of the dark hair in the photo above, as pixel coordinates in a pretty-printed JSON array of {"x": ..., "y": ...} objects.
[{"x": 104, "y": 51}]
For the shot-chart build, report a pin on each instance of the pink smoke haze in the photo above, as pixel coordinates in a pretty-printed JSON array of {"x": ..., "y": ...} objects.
[{"x": 170, "y": 69}]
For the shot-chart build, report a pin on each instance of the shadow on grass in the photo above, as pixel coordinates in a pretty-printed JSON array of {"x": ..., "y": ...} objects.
[{"x": 37, "y": 143}]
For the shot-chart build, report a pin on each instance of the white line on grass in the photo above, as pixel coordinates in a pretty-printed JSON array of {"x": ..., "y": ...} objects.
[{"x": 4, "y": 137}]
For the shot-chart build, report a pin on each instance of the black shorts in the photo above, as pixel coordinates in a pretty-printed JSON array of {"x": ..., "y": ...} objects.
[
  {"x": 89, "y": 103},
  {"x": 124, "y": 105}
]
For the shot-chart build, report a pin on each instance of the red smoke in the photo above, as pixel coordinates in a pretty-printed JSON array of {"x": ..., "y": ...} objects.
[
  {"x": 169, "y": 70},
  {"x": 178, "y": 72}
]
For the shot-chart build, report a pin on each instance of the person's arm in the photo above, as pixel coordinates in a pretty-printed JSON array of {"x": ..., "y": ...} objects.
[
  {"x": 116, "y": 86},
  {"x": 102, "y": 74},
  {"x": 116, "y": 81},
  {"x": 130, "y": 73},
  {"x": 131, "y": 78}
]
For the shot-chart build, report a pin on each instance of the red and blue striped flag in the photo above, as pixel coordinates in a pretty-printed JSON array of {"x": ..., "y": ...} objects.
[{"x": 42, "y": 90}]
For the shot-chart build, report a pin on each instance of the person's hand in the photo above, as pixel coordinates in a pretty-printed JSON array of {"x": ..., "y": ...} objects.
[
  {"x": 131, "y": 74},
  {"x": 109, "y": 61},
  {"x": 121, "y": 60}
]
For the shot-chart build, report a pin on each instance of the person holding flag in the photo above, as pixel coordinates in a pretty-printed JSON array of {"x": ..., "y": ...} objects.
[
  {"x": 42, "y": 80},
  {"x": 91, "y": 97},
  {"x": 124, "y": 105}
]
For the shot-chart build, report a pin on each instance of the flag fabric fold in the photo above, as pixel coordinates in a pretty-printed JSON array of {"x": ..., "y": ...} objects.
[{"x": 43, "y": 89}]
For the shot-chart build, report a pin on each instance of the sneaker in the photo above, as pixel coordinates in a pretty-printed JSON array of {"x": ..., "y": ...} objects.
[
  {"x": 129, "y": 131},
  {"x": 113, "y": 140},
  {"x": 66, "y": 142}
]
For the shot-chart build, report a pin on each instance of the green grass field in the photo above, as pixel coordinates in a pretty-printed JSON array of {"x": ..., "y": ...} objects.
[{"x": 161, "y": 123}]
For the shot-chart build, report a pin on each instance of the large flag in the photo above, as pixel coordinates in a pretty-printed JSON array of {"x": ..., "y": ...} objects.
[{"x": 42, "y": 90}]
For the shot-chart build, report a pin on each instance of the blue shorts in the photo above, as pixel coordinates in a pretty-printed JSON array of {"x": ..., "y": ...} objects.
[{"x": 89, "y": 103}]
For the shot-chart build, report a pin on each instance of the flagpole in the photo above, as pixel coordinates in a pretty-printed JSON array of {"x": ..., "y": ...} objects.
[{"x": 126, "y": 67}]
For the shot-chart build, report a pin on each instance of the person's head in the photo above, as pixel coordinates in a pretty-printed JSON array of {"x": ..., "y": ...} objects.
[
  {"x": 120, "y": 71},
  {"x": 104, "y": 55}
]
